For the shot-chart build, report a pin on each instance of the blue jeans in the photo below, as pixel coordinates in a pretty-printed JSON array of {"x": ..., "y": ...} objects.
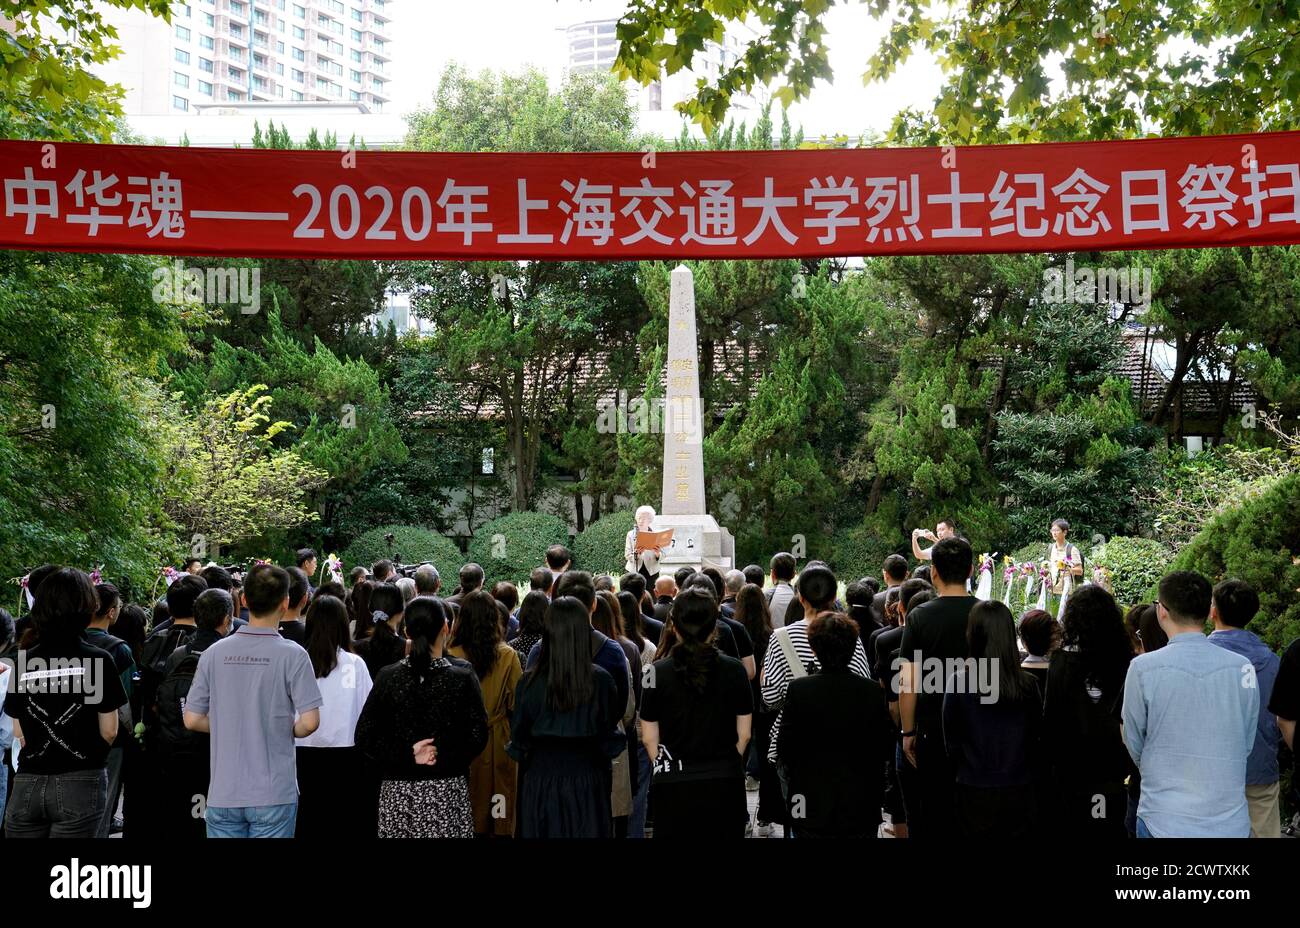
[
  {"x": 1142, "y": 830},
  {"x": 252, "y": 821},
  {"x": 57, "y": 805},
  {"x": 636, "y": 821}
]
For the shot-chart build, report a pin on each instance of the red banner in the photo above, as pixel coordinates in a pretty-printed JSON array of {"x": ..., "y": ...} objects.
[{"x": 1148, "y": 193}]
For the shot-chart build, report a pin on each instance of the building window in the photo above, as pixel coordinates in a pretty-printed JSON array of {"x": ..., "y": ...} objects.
[
  {"x": 180, "y": 80},
  {"x": 205, "y": 64},
  {"x": 300, "y": 11},
  {"x": 356, "y": 76},
  {"x": 182, "y": 33},
  {"x": 182, "y": 56},
  {"x": 299, "y": 55},
  {"x": 180, "y": 103},
  {"x": 295, "y": 95},
  {"x": 205, "y": 88},
  {"x": 297, "y": 75}
]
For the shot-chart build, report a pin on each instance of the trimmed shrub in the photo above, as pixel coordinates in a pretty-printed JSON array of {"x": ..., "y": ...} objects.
[
  {"x": 1135, "y": 564},
  {"x": 599, "y": 547},
  {"x": 413, "y": 544},
  {"x": 510, "y": 546},
  {"x": 1259, "y": 542},
  {"x": 861, "y": 551}
]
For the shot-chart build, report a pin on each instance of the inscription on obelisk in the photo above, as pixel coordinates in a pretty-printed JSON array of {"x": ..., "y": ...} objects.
[{"x": 683, "y": 421}]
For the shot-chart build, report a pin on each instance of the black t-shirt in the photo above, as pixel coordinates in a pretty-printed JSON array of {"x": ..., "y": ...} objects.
[
  {"x": 698, "y": 730},
  {"x": 886, "y": 669},
  {"x": 937, "y": 630},
  {"x": 744, "y": 644},
  {"x": 295, "y": 630},
  {"x": 727, "y": 641},
  {"x": 1285, "y": 701},
  {"x": 58, "y": 701}
]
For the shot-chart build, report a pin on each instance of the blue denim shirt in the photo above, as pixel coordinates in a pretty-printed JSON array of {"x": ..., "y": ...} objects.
[
  {"x": 1261, "y": 766},
  {"x": 1190, "y": 714}
]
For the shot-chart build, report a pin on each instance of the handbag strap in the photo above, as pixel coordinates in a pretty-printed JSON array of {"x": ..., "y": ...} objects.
[{"x": 797, "y": 669}]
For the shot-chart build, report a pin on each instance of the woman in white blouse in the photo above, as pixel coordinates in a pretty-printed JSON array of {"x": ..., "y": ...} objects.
[
  {"x": 329, "y": 766},
  {"x": 647, "y": 563}
]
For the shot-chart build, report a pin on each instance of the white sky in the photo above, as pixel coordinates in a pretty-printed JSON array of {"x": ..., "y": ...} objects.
[{"x": 507, "y": 34}]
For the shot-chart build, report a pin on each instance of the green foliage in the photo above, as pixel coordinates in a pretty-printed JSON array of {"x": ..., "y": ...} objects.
[
  {"x": 1257, "y": 541},
  {"x": 599, "y": 547},
  {"x": 228, "y": 482},
  {"x": 1191, "y": 491},
  {"x": 49, "y": 50},
  {"x": 510, "y": 546},
  {"x": 1135, "y": 564},
  {"x": 413, "y": 544},
  {"x": 860, "y": 552},
  {"x": 81, "y": 456},
  {"x": 1236, "y": 68},
  {"x": 338, "y": 407},
  {"x": 523, "y": 340}
]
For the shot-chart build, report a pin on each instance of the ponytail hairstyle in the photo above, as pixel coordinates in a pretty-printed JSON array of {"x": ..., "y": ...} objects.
[
  {"x": 695, "y": 618},
  {"x": 385, "y": 602},
  {"x": 426, "y": 617},
  {"x": 359, "y": 608}
]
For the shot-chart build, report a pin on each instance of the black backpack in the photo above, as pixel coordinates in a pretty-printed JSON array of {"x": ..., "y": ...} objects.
[{"x": 170, "y": 732}]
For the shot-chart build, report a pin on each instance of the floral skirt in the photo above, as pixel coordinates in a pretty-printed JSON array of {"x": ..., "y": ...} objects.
[{"x": 425, "y": 809}]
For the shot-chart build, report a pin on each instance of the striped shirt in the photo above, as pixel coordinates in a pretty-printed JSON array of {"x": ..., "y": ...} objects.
[{"x": 776, "y": 670}]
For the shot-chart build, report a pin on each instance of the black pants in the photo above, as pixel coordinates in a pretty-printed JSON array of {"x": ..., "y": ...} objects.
[
  {"x": 712, "y": 808},
  {"x": 58, "y": 805},
  {"x": 996, "y": 811},
  {"x": 931, "y": 810},
  {"x": 328, "y": 808}
]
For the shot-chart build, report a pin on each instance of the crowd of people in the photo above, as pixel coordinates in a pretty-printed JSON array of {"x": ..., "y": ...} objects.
[{"x": 260, "y": 705}]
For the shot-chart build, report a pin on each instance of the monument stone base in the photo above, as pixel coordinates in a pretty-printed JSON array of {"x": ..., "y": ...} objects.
[{"x": 698, "y": 541}]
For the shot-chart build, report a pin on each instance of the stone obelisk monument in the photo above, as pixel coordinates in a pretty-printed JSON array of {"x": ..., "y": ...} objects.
[{"x": 698, "y": 540}]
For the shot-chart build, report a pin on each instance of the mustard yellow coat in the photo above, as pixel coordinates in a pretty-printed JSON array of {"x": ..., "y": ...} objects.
[{"x": 494, "y": 772}]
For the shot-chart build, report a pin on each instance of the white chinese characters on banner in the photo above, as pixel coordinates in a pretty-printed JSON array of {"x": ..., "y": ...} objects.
[{"x": 830, "y": 210}]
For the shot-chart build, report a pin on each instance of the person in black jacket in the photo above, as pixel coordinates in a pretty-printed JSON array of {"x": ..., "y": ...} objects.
[
  {"x": 422, "y": 725},
  {"x": 835, "y": 737}
]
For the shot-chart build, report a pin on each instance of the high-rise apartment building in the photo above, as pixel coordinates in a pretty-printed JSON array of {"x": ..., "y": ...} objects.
[
  {"x": 591, "y": 45},
  {"x": 254, "y": 51}
]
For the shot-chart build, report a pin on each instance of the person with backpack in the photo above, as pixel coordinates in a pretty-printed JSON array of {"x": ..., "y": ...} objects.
[
  {"x": 1062, "y": 552},
  {"x": 182, "y": 755},
  {"x": 165, "y": 638},
  {"x": 110, "y": 601}
]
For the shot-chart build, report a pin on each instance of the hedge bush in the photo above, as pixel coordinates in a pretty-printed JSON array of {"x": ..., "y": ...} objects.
[
  {"x": 1136, "y": 565},
  {"x": 414, "y": 544},
  {"x": 521, "y": 545},
  {"x": 599, "y": 547},
  {"x": 1257, "y": 541}
]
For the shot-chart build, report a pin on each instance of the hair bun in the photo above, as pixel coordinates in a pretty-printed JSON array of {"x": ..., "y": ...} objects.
[{"x": 379, "y": 616}]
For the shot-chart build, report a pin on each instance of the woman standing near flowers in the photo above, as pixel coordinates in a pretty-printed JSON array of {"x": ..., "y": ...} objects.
[{"x": 423, "y": 725}]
